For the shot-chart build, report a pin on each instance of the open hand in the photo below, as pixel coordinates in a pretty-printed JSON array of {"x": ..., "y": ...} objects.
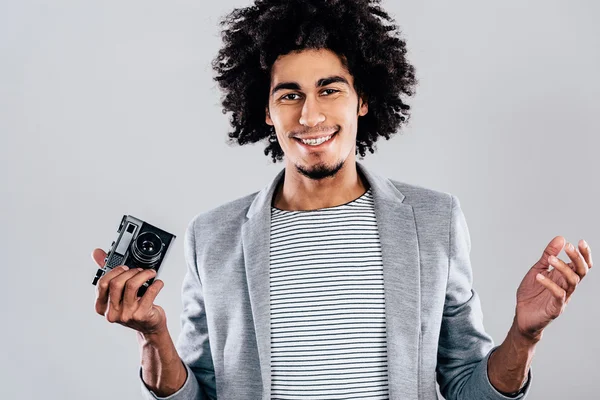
[{"x": 543, "y": 295}]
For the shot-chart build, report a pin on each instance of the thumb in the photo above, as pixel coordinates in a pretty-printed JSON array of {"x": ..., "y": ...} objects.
[
  {"x": 553, "y": 248},
  {"x": 98, "y": 255}
]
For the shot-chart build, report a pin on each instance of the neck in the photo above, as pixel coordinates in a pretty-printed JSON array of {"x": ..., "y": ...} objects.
[{"x": 297, "y": 192}]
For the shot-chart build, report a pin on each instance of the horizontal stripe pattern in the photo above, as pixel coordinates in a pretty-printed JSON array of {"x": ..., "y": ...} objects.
[{"x": 328, "y": 335}]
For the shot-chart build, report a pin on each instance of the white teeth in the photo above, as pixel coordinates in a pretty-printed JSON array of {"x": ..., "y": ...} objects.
[{"x": 316, "y": 142}]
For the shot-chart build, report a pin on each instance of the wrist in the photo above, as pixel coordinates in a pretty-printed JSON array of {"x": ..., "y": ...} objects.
[
  {"x": 153, "y": 338},
  {"x": 524, "y": 339}
]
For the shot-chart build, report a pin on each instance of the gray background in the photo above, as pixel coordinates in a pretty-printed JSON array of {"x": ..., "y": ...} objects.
[{"x": 93, "y": 94}]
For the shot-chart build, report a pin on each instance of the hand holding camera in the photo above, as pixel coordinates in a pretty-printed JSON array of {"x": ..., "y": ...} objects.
[
  {"x": 126, "y": 290},
  {"x": 125, "y": 280},
  {"x": 117, "y": 300}
]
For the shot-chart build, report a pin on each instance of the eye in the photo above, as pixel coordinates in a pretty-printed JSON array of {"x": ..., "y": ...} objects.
[
  {"x": 285, "y": 97},
  {"x": 332, "y": 91}
]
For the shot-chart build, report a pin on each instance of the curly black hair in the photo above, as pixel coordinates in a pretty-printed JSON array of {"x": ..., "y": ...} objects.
[{"x": 356, "y": 30}]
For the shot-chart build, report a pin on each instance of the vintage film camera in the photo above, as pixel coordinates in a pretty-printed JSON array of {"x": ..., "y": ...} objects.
[{"x": 139, "y": 245}]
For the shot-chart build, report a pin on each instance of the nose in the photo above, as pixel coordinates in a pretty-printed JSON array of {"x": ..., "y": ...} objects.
[{"x": 311, "y": 114}]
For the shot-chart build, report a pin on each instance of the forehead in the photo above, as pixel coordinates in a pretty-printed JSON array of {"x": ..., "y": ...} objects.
[{"x": 307, "y": 66}]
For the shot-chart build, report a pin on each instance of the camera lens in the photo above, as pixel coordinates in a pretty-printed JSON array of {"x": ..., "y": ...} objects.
[{"x": 147, "y": 248}]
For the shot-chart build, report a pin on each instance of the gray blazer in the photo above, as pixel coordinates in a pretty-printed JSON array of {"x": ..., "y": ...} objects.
[{"x": 433, "y": 315}]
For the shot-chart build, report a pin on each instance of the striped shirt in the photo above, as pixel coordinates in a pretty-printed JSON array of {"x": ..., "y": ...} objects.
[{"x": 328, "y": 336}]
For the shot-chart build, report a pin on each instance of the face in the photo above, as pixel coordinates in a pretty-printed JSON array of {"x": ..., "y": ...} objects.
[{"x": 312, "y": 97}]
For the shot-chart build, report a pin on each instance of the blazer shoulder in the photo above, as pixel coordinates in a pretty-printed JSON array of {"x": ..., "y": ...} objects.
[
  {"x": 424, "y": 197},
  {"x": 224, "y": 215}
]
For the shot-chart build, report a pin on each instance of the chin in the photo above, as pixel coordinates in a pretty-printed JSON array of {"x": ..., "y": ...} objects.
[{"x": 320, "y": 170}]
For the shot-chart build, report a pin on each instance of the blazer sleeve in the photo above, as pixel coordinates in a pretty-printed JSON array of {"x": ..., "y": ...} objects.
[
  {"x": 192, "y": 345},
  {"x": 464, "y": 347}
]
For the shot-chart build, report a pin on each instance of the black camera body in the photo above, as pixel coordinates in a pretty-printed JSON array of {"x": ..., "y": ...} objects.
[{"x": 139, "y": 245}]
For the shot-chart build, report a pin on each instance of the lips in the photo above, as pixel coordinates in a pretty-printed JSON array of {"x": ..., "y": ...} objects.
[
  {"x": 309, "y": 147},
  {"x": 316, "y": 137}
]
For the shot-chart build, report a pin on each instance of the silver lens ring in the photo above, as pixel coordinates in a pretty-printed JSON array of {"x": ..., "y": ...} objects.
[{"x": 139, "y": 255}]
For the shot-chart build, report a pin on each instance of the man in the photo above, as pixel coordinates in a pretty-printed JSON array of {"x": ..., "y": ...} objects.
[{"x": 331, "y": 282}]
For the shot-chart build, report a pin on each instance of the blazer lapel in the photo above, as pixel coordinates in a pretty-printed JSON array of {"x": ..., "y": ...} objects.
[
  {"x": 255, "y": 243},
  {"x": 401, "y": 276},
  {"x": 402, "y": 286}
]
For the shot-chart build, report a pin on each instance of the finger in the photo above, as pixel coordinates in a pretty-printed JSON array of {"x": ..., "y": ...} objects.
[
  {"x": 115, "y": 290},
  {"x": 552, "y": 249},
  {"x": 98, "y": 255},
  {"x": 580, "y": 265},
  {"x": 570, "y": 276},
  {"x": 103, "y": 286},
  {"x": 133, "y": 284},
  {"x": 554, "y": 289},
  {"x": 151, "y": 293},
  {"x": 585, "y": 250}
]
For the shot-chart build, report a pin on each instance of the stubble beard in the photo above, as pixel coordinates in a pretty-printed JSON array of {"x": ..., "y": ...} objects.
[{"x": 320, "y": 170}]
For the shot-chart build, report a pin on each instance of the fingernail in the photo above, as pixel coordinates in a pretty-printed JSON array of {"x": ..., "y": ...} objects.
[
  {"x": 125, "y": 267},
  {"x": 585, "y": 245},
  {"x": 552, "y": 259},
  {"x": 569, "y": 246}
]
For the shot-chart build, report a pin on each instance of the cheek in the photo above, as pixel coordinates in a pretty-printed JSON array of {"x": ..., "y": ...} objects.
[
  {"x": 284, "y": 119},
  {"x": 350, "y": 119}
]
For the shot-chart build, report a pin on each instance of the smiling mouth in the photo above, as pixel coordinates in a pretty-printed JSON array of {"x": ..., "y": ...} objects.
[{"x": 317, "y": 142}]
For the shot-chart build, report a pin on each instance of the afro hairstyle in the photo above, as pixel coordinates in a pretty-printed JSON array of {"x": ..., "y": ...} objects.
[{"x": 360, "y": 32}]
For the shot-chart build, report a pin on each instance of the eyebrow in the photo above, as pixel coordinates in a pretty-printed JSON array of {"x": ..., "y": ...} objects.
[{"x": 321, "y": 82}]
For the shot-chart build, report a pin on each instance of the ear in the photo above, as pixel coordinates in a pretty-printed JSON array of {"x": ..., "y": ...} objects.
[
  {"x": 363, "y": 108},
  {"x": 268, "y": 119}
]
